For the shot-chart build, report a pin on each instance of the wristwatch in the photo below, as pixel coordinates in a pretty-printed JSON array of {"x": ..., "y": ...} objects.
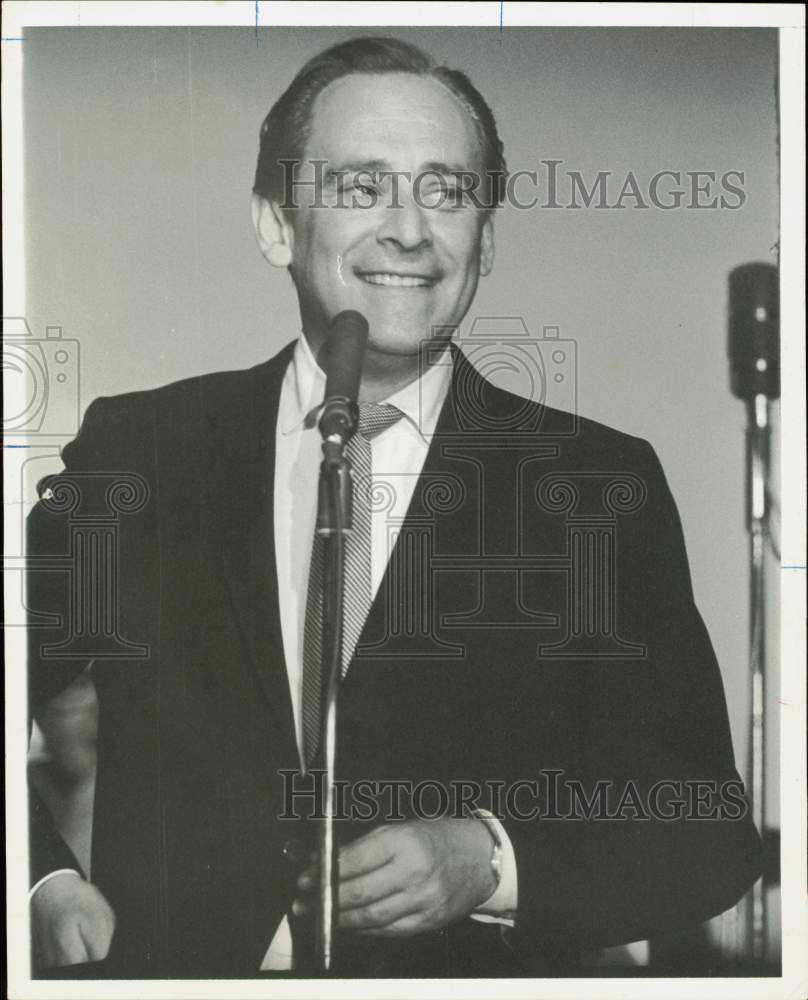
[{"x": 497, "y": 849}]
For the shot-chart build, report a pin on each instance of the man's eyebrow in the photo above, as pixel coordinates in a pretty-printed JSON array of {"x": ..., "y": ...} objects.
[
  {"x": 384, "y": 167},
  {"x": 355, "y": 167},
  {"x": 439, "y": 167}
]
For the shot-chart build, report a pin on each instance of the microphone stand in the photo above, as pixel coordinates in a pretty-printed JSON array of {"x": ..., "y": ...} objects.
[
  {"x": 334, "y": 523},
  {"x": 757, "y": 515},
  {"x": 754, "y": 357}
]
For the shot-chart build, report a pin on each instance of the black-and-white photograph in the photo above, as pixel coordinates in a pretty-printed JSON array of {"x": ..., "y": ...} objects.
[{"x": 396, "y": 554}]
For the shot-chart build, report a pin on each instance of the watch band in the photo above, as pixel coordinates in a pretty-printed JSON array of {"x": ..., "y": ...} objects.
[{"x": 497, "y": 849}]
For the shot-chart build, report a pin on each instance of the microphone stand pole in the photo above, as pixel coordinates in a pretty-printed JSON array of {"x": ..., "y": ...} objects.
[
  {"x": 757, "y": 451},
  {"x": 334, "y": 523}
]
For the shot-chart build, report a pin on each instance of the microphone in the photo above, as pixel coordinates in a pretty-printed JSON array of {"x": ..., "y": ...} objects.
[
  {"x": 341, "y": 357},
  {"x": 754, "y": 331}
]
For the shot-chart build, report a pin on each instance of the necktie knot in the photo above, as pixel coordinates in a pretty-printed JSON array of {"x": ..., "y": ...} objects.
[{"x": 376, "y": 417}]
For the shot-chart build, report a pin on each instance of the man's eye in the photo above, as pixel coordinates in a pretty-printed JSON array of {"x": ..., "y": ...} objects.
[
  {"x": 359, "y": 185},
  {"x": 456, "y": 196},
  {"x": 443, "y": 193}
]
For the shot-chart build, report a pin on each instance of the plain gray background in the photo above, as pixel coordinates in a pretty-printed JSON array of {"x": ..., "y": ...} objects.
[{"x": 140, "y": 148}]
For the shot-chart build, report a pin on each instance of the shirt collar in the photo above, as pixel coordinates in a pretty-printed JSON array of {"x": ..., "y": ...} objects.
[
  {"x": 305, "y": 384},
  {"x": 420, "y": 401}
]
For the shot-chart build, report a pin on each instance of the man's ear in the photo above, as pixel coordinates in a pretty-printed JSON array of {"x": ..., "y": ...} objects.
[
  {"x": 273, "y": 232},
  {"x": 487, "y": 246}
]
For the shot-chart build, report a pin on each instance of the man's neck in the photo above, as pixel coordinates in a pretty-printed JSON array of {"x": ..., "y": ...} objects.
[{"x": 384, "y": 374}]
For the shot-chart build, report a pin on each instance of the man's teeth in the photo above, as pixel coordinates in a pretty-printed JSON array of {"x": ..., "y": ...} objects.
[{"x": 395, "y": 280}]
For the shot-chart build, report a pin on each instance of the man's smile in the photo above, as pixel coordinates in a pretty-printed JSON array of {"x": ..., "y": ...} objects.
[{"x": 394, "y": 279}]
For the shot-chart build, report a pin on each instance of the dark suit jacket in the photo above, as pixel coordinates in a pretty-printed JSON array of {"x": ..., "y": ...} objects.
[{"x": 456, "y": 682}]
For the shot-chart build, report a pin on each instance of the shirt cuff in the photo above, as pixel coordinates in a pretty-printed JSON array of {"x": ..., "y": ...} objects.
[
  {"x": 48, "y": 877},
  {"x": 501, "y": 905}
]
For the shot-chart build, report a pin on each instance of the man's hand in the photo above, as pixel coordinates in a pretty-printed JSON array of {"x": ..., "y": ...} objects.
[
  {"x": 71, "y": 922},
  {"x": 409, "y": 878}
]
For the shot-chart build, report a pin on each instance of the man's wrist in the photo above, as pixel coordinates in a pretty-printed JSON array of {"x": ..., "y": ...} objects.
[
  {"x": 502, "y": 904},
  {"x": 46, "y": 878},
  {"x": 495, "y": 855}
]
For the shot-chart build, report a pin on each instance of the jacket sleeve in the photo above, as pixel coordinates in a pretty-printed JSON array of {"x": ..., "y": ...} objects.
[
  {"x": 48, "y": 601},
  {"x": 48, "y": 851},
  {"x": 658, "y": 725}
]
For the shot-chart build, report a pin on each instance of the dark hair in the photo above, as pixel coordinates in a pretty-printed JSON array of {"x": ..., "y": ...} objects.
[{"x": 286, "y": 127}]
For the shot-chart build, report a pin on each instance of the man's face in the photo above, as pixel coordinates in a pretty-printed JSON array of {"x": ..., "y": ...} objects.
[{"x": 408, "y": 265}]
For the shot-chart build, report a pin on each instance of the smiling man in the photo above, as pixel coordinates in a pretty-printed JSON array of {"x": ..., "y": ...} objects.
[
  {"x": 378, "y": 221},
  {"x": 199, "y": 870}
]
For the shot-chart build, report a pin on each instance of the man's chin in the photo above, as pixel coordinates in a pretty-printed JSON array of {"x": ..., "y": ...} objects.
[{"x": 406, "y": 343}]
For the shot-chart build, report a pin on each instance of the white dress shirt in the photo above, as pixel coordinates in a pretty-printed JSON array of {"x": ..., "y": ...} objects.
[{"x": 398, "y": 452}]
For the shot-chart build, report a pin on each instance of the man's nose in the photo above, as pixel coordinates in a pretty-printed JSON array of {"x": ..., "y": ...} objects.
[{"x": 406, "y": 225}]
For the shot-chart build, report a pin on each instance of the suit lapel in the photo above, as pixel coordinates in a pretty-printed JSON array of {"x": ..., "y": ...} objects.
[
  {"x": 442, "y": 519},
  {"x": 241, "y": 491},
  {"x": 466, "y": 503}
]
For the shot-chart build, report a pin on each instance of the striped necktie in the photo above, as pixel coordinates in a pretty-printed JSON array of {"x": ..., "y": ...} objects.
[{"x": 373, "y": 419}]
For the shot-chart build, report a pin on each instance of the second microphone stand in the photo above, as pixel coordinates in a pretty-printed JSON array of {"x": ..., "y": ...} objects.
[{"x": 757, "y": 512}]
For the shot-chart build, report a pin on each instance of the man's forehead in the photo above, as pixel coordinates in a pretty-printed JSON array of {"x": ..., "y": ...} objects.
[{"x": 391, "y": 117}]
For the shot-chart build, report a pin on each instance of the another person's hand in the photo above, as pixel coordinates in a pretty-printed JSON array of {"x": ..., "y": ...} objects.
[
  {"x": 71, "y": 922},
  {"x": 409, "y": 878}
]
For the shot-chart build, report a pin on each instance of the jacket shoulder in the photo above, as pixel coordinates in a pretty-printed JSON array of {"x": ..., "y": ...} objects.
[
  {"x": 208, "y": 391},
  {"x": 593, "y": 436},
  {"x": 199, "y": 394},
  {"x": 578, "y": 437},
  {"x": 177, "y": 415}
]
